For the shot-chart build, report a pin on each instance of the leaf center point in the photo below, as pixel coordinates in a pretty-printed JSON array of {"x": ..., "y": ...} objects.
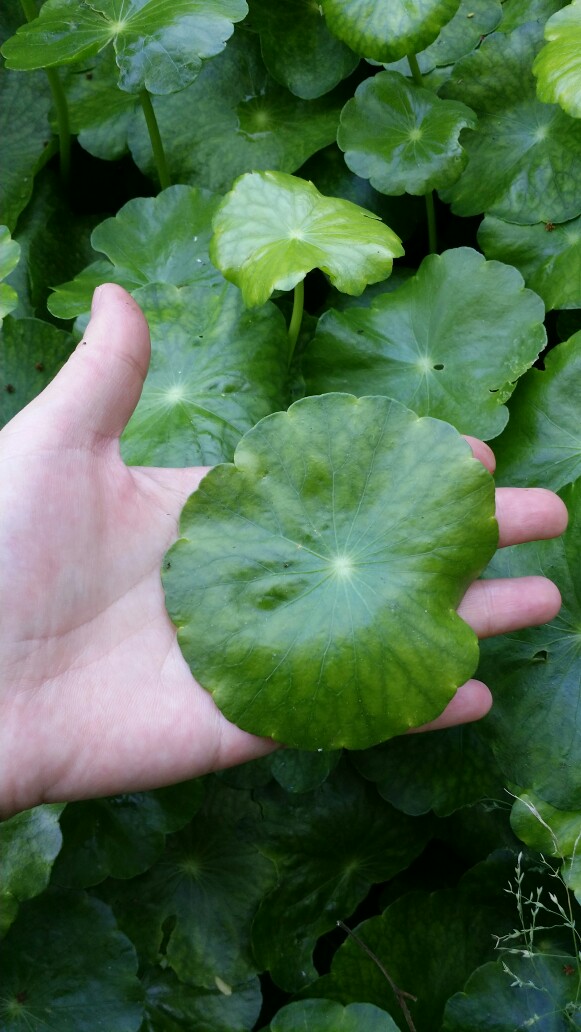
[{"x": 342, "y": 566}]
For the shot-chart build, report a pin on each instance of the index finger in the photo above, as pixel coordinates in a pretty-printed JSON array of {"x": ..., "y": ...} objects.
[{"x": 523, "y": 513}]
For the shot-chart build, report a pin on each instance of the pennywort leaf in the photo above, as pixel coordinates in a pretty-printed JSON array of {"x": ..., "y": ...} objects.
[
  {"x": 558, "y": 65},
  {"x": 159, "y": 45},
  {"x": 416, "y": 149},
  {"x": 430, "y": 344},
  {"x": 272, "y": 229},
  {"x": 308, "y": 581},
  {"x": 387, "y": 32}
]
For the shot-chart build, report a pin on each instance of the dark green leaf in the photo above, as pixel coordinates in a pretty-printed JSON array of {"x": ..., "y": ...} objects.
[
  {"x": 440, "y": 771},
  {"x": 449, "y": 343},
  {"x": 524, "y": 155},
  {"x": 31, "y": 352},
  {"x": 534, "y": 726},
  {"x": 296, "y": 229},
  {"x": 202, "y": 896},
  {"x": 548, "y": 256},
  {"x": 100, "y": 113},
  {"x": 417, "y": 149},
  {"x": 299, "y": 771},
  {"x": 328, "y": 1016},
  {"x": 159, "y": 45},
  {"x": 25, "y": 135},
  {"x": 311, "y": 61},
  {"x": 65, "y": 968},
  {"x": 173, "y": 1006},
  {"x": 29, "y": 843},
  {"x": 236, "y": 118},
  {"x": 429, "y": 944},
  {"x": 473, "y": 20},
  {"x": 329, "y": 847},
  {"x": 54, "y": 243},
  {"x": 517, "y": 12},
  {"x": 387, "y": 32},
  {"x": 518, "y": 993},
  {"x": 123, "y": 835},
  {"x": 542, "y": 445},
  {"x": 315, "y": 599}
]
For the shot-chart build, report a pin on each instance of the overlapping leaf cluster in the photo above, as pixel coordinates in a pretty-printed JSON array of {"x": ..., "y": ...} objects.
[{"x": 213, "y": 906}]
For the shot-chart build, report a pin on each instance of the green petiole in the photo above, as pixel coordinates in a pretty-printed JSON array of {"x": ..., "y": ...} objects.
[
  {"x": 156, "y": 141},
  {"x": 429, "y": 197},
  {"x": 296, "y": 318},
  {"x": 60, "y": 103}
]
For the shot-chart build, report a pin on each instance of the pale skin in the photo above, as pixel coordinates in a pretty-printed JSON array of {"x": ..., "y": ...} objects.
[{"x": 95, "y": 696}]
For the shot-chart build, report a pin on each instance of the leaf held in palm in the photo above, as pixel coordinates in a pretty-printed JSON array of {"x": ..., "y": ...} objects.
[{"x": 316, "y": 579}]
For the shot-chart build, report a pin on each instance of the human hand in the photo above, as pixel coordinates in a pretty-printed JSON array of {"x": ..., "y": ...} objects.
[{"x": 95, "y": 696}]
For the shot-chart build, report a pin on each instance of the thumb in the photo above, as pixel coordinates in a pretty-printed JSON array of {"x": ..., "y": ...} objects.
[{"x": 93, "y": 396}]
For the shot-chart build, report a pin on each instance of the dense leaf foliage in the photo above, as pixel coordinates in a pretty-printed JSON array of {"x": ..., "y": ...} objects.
[{"x": 411, "y": 170}]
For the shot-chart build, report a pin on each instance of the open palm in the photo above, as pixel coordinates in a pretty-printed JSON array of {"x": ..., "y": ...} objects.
[{"x": 95, "y": 696}]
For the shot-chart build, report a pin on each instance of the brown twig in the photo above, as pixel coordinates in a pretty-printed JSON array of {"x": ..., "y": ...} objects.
[{"x": 400, "y": 994}]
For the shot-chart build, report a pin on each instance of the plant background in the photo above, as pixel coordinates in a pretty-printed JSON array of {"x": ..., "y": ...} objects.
[{"x": 212, "y": 906}]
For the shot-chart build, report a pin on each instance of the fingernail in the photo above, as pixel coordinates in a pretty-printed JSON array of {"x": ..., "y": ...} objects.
[{"x": 97, "y": 300}]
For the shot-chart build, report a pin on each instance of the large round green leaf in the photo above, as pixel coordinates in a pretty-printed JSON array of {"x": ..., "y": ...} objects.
[
  {"x": 416, "y": 149},
  {"x": 272, "y": 229},
  {"x": 66, "y": 968},
  {"x": 518, "y": 993},
  {"x": 388, "y": 31},
  {"x": 449, "y": 343},
  {"x": 329, "y": 1016},
  {"x": 548, "y": 256},
  {"x": 29, "y": 843},
  {"x": 311, "y": 61},
  {"x": 534, "y": 726},
  {"x": 542, "y": 444},
  {"x": 314, "y": 597},
  {"x": 524, "y": 159},
  {"x": 329, "y": 846},
  {"x": 558, "y": 65},
  {"x": 159, "y": 45}
]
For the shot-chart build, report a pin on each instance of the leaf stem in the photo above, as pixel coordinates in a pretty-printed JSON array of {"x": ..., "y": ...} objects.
[
  {"x": 429, "y": 197},
  {"x": 415, "y": 70},
  {"x": 431, "y": 215},
  {"x": 156, "y": 142},
  {"x": 400, "y": 994},
  {"x": 296, "y": 318},
  {"x": 60, "y": 103}
]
